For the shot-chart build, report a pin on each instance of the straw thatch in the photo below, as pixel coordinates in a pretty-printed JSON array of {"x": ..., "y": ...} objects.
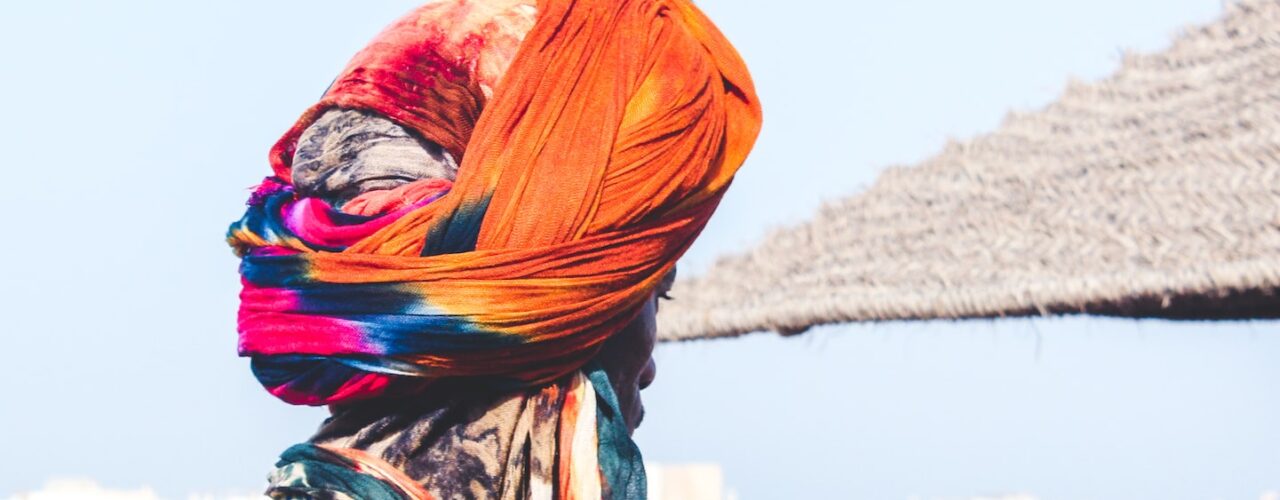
[{"x": 1153, "y": 193}]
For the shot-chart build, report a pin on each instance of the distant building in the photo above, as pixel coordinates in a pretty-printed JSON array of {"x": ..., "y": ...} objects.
[{"x": 687, "y": 482}]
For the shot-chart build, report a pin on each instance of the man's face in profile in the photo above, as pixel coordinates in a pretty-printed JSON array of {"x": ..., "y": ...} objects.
[{"x": 628, "y": 356}]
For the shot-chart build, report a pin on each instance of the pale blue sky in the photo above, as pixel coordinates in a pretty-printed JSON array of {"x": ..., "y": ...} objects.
[{"x": 134, "y": 128}]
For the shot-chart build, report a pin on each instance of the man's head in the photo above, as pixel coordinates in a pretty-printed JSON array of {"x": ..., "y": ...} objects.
[{"x": 591, "y": 163}]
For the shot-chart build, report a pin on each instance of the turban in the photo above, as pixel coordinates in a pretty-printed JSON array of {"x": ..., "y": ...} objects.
[{"x": 587, "y": 166}]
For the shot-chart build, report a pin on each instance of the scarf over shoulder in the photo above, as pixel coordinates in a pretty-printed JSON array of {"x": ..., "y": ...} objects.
[{"x": 585, "y": 170}]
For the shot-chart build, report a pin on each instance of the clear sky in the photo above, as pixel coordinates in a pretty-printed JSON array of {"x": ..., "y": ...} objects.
[{"x": 135, "y": 127}]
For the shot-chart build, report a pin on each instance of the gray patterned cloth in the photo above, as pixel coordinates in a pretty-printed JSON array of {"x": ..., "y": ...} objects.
[
  {"x": 459, "y": 443},
  {"x": 347, "y": 152}
]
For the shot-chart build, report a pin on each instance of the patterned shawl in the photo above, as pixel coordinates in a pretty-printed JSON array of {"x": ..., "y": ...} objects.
[{"x": 587, "y": 167}]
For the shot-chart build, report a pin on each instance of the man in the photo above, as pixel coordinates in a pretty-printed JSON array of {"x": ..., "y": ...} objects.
[{"x": 461, "y": 246}]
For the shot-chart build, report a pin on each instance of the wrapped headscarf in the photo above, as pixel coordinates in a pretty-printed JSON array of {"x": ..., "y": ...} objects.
[{"x": 590, "y": 159}]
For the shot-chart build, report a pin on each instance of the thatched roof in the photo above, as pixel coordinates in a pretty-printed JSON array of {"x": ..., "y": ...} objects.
[{"x": 1153, "y": 193}]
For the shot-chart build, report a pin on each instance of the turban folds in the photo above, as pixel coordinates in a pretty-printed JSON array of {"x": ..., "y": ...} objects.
[{"x": 600, "y": 154}]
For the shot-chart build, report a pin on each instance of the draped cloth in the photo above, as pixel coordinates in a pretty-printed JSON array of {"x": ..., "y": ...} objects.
[
  {"x": 464, "y": 443},
  {"x": 599, "y": 156}
]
